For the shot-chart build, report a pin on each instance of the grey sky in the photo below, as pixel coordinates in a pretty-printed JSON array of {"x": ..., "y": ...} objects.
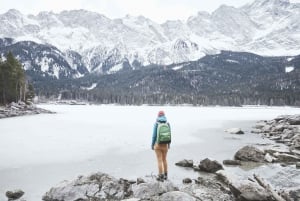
[{"x": 157, "y": 10}]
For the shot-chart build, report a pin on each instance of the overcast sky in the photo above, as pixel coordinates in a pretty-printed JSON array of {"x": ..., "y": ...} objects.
[{"x": 157, "y": 10}]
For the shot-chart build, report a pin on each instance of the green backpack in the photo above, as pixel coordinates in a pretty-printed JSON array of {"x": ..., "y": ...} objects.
[{"x": 163, "y": 133}]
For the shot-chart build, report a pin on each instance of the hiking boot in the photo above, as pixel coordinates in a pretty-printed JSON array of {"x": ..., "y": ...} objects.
[
  {"x": 160, "y": 177},
  {"x": 165, "y": 176}
]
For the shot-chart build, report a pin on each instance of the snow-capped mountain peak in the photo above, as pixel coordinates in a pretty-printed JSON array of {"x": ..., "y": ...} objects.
[{"x": 268, "y": 27}]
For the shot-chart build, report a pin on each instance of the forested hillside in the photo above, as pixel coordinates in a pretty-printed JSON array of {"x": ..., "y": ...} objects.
[{"x": 228, "y": 78}]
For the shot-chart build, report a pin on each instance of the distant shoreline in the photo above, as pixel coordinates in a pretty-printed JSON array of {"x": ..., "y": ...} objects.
[{"x": 21, "y": 109}]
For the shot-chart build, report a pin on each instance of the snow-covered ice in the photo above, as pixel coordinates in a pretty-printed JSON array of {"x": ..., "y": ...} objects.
[{"x": 37, "y": 152}]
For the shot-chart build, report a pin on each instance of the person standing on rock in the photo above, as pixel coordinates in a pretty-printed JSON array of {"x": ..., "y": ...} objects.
[{"x": 161, "y": 139}]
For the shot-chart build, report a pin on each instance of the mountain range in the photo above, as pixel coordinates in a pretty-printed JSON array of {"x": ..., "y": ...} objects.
[
  {"x": 79, "y": 42},
  {"x": 232, "y": 56}
]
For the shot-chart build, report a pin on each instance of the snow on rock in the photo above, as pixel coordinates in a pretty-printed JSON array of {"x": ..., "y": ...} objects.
[{"x": 234, "y": 131}]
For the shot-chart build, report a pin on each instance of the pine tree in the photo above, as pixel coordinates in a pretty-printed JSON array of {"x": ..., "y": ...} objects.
[{"x": 12, "y": 80}]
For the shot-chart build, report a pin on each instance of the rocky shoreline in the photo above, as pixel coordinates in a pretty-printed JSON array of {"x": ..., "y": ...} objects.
[
  {"x": 215, "y": 183},
  {"x": 20, "y": 109}
]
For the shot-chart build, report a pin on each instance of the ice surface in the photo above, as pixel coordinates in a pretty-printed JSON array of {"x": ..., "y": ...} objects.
[{"x": 37, "y": 152}]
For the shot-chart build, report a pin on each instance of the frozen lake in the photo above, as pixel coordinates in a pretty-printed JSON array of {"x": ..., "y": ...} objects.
[{"x": 37, "y": 152}]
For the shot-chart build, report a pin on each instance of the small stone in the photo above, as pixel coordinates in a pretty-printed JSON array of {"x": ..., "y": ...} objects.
[
  {"x": 298, "y": 165},
  {"x": 235, "y": 131},
  {"x": 185, "y": 163},
  {"x": 208, "y": 165},
  {"x": 187, "y": 181},
  {"x": 13, "y": 195},
  {"x": 140, "y": 181}
]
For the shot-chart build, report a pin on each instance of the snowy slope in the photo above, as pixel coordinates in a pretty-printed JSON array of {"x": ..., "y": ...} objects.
[{"x": 267, "y": 27}]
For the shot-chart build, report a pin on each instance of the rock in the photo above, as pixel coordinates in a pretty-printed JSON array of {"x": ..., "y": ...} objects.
[
  {"x": 140, "y": 181},
  {"x": 96, "y": 186},
  {"x": 208, "y": 165},
  {"x": 13, "y": 195},
  {"x": 235, "y": 131},
  {"x": 281, "y": 117},
  {"x": 295, "y": 152},
  {"x": 187, "y": 181},
  {"x": 2, "y": 116},
  {"x": 196, "y": 168},
  {"x": 291, "y": 194},
  {"x": 298, "y": 165},
  {"x": 185, "y": 163},
  {"x": 275, "y": 138},
  {"x": 20, "y": 109},
  {"x": 269, "y": 158},
  {"x": 250, "y": 153},
  {"x": 232, "y": 162},
  {"x": 260, "y": 125},
  {"x": 146, "y": 191},
  {"x": 294, "y": 120},
  {"x": 266, "y": 129},
  {"x": 225, "y": 177},
  {"x": 248, "y": 191},
  {"x": 296, "y": 142},
  {"x": 288, "y": 134},
  {"x": 285, "y": 158},
  {"x": 176, "y": 196},
  {"x": 207, "y": 188},
  {"x": 278, "y": 128}
]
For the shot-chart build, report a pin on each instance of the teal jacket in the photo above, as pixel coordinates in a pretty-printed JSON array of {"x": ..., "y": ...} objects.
[{"x": 161, "y": 119}]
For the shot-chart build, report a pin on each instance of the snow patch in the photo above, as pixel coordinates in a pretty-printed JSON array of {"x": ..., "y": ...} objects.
[
  {"x": 44, "y": 63},
  {"x": 115, "y": 68},
  {"x": 232, "y": 61},
  {"x": 90, "y": 88},
  {"x": 289, "y": 69},
  {"x": 27, "y": 65},
  {"x": 177, "y": 67},
  {"x": 56, "y": 70}
]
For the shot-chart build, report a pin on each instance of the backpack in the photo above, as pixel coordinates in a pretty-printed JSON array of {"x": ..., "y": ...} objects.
[{"x": 163, "y": 133}]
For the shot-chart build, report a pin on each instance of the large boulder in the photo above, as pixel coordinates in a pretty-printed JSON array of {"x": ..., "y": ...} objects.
[
  {"x": 294, "y": 120},
  {"x": 208, "y": 165},
  {"x": 98, "y": 186},
  {"x": 249, "y": 191},
  {"x": 250, "y": 153},
  {"x": 14, "y": 195}
]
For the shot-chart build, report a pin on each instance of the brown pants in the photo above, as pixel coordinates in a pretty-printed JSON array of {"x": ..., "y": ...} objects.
[{"x": 161, "y": 151}]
